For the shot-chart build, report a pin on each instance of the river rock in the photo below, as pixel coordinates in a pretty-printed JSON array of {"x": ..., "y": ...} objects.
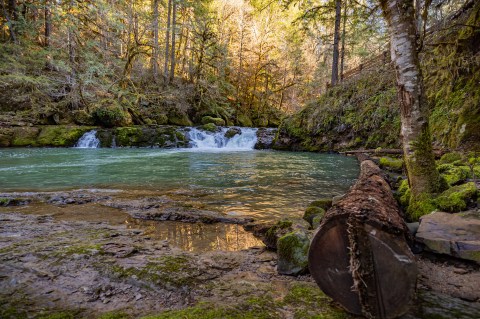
[
  {"x": 231, "y": 132},
  {"x": 457, "y": 235},
  {"x": 292, "y": 250},
  {"x": 265, "y": 137}
]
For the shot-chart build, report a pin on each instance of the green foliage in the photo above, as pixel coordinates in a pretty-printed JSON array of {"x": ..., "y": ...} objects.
[
  {"x": 420, "y": 206},
  {"x": 404, "y": 193},
  {"x": 450, "y": 158}
]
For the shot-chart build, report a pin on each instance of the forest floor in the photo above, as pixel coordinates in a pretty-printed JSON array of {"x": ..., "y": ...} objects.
[{"x": 82, "y": 260}]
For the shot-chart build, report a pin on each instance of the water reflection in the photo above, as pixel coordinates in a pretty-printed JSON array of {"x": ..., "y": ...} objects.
[{"x": 197, "y": 237}]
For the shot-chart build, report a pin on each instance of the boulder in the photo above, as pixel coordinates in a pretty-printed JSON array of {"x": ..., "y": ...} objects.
[
  {"x": 209, "y": 127},
  {"x": 292, "y": 250},
  {"x": 215, "y": 120},
  {"x": 457, "y": 198},
  {"x": 265, "y": 137},
  {"x": 312, "y": 212},
  {"x": 457, "y": 234},
  {"x": 231, "y": 132}
]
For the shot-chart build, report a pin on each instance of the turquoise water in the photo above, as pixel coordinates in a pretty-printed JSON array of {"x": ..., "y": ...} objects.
[{"x": 260, "y": 183}]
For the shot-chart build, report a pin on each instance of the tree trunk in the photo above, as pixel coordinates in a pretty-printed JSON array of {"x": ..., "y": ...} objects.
[
  {"x": 336, "y": 40},
  {"x": 48, "y": 23},
  {"x": 167, "y": 43},
  {"x": 419, "y": 159},
  {"x": 342, "y": 57},
  {"x": 172, "y": 57},
  {"x": 155, "y": 41},
  {"x": 359, "y": 255}
]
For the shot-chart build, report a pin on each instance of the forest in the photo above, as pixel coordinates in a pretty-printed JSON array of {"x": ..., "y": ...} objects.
[{"x": 203, "y": 159}]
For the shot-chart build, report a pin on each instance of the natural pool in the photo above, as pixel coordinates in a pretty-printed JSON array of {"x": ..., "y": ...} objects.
[{"x": 264, "y": 185}]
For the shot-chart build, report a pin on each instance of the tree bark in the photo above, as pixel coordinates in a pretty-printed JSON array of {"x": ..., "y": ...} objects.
[
  {"x": 336, "y": 40},
  {"x": 359, "y": 255},
  {"x": 172, "y": 57},
  {"x": 415, "y": 133},
  {"x": 167, "y": 43},
  {"x": 48, "y": 23},
  {"x": 155, "y": 41},
  {"x": 342, "y": 57}
]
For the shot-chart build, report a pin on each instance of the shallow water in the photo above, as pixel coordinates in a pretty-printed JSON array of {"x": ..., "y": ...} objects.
[{"x": 261, "y": 184}]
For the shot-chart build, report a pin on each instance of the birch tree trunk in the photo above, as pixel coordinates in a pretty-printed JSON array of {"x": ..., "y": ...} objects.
[
  {"x": 336, "y": 40},
  {"x": 415, "y": 133}
]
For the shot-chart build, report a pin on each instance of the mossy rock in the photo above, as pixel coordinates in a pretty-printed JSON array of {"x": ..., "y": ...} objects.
[
  {"x": 210, "y": 127},
  {"x": 111, "y": 114},
  {"x": 292, "y": 250},
  {"x": 324, "y": 203},
  {"x": 449, "y": 158},
  {"x": 128, "y": 136},
  {"x": 311, "y": 212},
  {"x": 317, "y": 219},
  {"x": 454, "y": 175},
  {"x": 25, "y": 136},
  {"x": 6, "y": 135},
  {"x": 231, "y": 132},
  {"x": 275, "y": 232},
  {"x": 215, "y": 120},
  {"x": 457, "y": 198},
  {"x": 82, "y": 117},
  {"x": 261, "y": 122},
  {"x": 61, "y": 136},
  {"x": 179, "y": 119},
  {"x": 392, "y": 164},
  {"x": 244, "y": 120}
]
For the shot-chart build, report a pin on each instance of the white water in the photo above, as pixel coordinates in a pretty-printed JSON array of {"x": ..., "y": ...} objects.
[
  {"x": 246, "y": 140},
  {"x": 88, "y": 140}
]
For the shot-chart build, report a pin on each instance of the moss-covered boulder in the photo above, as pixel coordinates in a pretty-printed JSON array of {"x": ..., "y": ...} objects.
[
  {"x": 403, "y": 193},
  {"x": 25, "y": 136},
  {"x": 324, "y": 203},
  {"x": 176, "y": 117},
  {"x": 317, "y": 219},
  {"x": 454, "y": 174},
  {"x": 215, "y": 120},
  {"x": 312, "y": 212},
  {"x": 210, "y": 127},
  {"x": 110, "y": 113},
  {"x": 292, "y": 250},
  {"x": 6, "y": 135},
  {"x": 231, "y": 132},
  {"x": 244, "y": 120},
  {"x": 450, "y": 158},
  {"x": 457, "y": 198},
  {"x": 276, "y": 231},
  {"x": 60, "y": 135},
  {"x": 392, "y": 164}
]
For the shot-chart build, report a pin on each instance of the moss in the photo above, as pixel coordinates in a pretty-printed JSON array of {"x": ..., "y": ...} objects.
[
  {"x": 80, "y": 250},
  {"x": 244, "y": 120},
  {"x": 61, "y": 136},
  {"x": 209, "y": 127},
  {"x": 312, "y": 212},
  {"x": 292, "y": 250},
  {"x": 176, "y": 271},
  {"x": 456, "y": 198},
  {"x": 454, "y": 174},
  {"x": 176, "y": 117},
  {"x": 25, "y": 136},
  {"x": 272, "y": 234},
  {"x": 420, "y": 207},
  {"x": 316, "y": 221},
  {"x": 393, "y": 164},
  {"x": 114, "y": 315},
  {"x": 404, "y": 193},
  {"x": 449, "y": 158},
  {"x": 324, "y": 203},
  {"x": 251, "y": 309},
  {"x": 128, "y": 136},
  {"x": 215, "y": 120},
  {"x": 109, "y": 113}
]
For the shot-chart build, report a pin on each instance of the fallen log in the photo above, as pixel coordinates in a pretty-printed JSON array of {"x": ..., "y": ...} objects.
[
  {"x": 359, "y": 255},
  {"x": 392, "y": 151}
]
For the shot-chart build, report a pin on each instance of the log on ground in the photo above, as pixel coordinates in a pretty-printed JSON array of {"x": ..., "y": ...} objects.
[{"x": 359, "y": 255}]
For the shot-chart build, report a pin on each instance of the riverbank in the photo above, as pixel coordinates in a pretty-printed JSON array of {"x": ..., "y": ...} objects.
[{"x": 67, "y": 256}]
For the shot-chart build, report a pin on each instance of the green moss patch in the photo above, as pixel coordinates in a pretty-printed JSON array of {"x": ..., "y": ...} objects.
[
  {"x": 456, "y": 198},
  {"x": 393, "y": 164}
]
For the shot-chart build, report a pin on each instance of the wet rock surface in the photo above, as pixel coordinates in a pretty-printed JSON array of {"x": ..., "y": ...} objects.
[
  {"x": 457, "y": 234},
  {"x": 265, "y": 138},
  {"x": 80, "y": 259}
]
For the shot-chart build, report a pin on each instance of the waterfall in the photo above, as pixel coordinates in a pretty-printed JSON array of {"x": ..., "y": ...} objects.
[
  {"x": 88, "y": 140},
  {"x": 245, "y": 139}
]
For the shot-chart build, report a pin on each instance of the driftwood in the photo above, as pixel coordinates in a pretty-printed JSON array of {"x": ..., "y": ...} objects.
[
  {"x": 359, "y": 255},
  {"x": 377, "y": 151}
]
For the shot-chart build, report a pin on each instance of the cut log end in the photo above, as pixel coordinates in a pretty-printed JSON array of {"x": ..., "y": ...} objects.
[{"x": 359, "y": 255}]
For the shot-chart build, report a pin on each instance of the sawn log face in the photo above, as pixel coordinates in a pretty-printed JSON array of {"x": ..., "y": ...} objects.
[{"x": 359, "y": 255}]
